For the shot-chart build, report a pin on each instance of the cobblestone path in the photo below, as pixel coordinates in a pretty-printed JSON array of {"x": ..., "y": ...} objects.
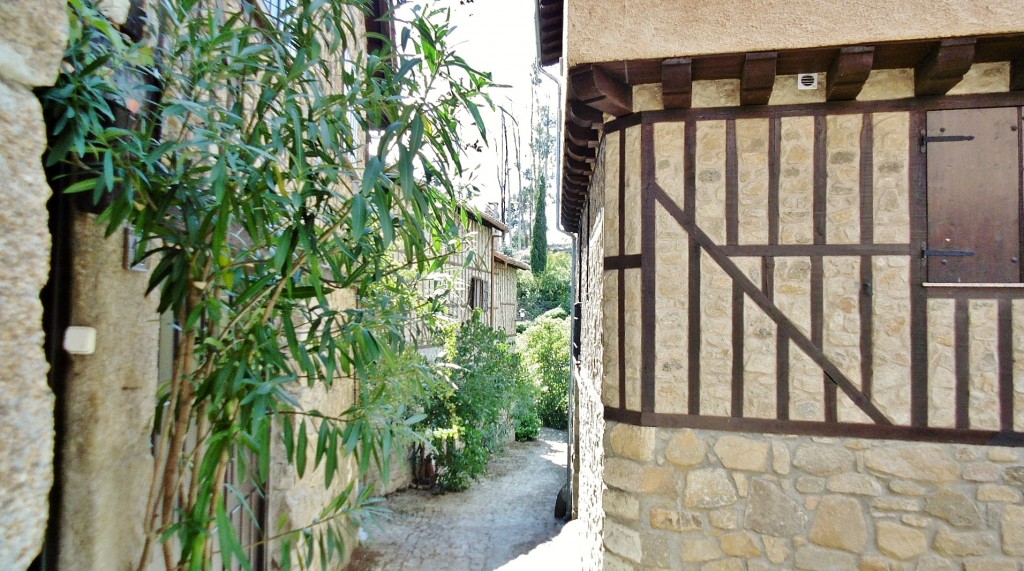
[{"x": 503, "y": 521}]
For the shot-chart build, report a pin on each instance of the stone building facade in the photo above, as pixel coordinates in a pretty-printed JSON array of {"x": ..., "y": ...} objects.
[{"x": 801, "y": 337}]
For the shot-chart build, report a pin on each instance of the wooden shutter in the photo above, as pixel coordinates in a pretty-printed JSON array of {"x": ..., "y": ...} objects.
[{"x": 973, "y": 195}]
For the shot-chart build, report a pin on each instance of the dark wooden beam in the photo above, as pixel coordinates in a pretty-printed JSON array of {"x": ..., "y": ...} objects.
[
  {"x": 758, "y": 78},
  {"x": 581, "y": 136},
  {"x": 578, "y": 167},
  {"x": 583, "y": 115},
  {"x": 848, "y": 73},
  {"x": 591, "y": 85},
  {"x": 677, "y": 83},
  {"x": 586, "y": 154},
  {"x": 944, "y": 67},
  {"x": 1017, "y": 74}
]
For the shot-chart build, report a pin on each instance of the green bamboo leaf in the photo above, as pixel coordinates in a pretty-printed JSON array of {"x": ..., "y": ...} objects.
[
  {"x": 300, "y": 449},
  {"x": 230, "y": 548}
]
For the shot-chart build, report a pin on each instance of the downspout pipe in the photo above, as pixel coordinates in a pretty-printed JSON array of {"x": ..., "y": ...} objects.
[{"x": 574, "y": 252}]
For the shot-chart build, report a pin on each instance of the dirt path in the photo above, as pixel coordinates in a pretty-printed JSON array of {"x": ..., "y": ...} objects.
[{"x": 504, "y": 521}]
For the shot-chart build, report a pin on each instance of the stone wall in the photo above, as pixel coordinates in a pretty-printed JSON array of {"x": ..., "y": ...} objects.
[
  {"x": 587, "y": 454},
  {"x": 696, "y": 499},
  {"x": 32, "y": 38}
]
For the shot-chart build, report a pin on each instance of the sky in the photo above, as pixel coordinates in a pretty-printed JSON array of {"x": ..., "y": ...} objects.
[{"x": 499, "y": 36}]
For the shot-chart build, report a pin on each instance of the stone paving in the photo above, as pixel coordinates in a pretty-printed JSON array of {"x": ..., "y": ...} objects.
[{"x": 503, "y": 521}]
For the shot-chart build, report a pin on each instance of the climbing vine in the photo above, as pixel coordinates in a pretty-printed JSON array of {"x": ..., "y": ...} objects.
[{"x": 235, "y": 146}]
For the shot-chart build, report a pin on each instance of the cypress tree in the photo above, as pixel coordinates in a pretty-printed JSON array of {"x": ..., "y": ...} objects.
[{"x": 539, "y": 244}]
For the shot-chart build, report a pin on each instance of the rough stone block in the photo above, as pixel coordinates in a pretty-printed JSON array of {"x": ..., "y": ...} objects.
[
  {"x": 633, "y": 442},
  {"x": 998, "y": 493},
  {"x": 33, "y": 34},
  {"x": 674, "y": 520},
  {"x": 709, "y": 488},
  {"x": 998, "y": 454},
  {"x": 812, "y": 558},
  {"x": 878, "y": 564},
  {"x": 1013, "y": 530},
  {"x": 740, "y": 544},
  {"x": 810, "y": 485},
  {"x": 954, "y": 508},
  {"x": 898, "y": 541},
  {"x": 854, "y": 483},
  {"x": 725, "y": 518},
  {"x": 896, "y": 504},
  {"x": 780, "y": 458},
  {"x": 739, "y": 453},
  {"x": 823, "y": 460},
  {"x": 839, "y": 523},
  {"x": 981, "y": 472},
  {"x": 700, "y": 550},
  {"x": 621, "y": 504},
  {"x": 622, "y": 541},
  {"x": 908, "y": 488},
  {"x": 776, "y": 549},
  {"x": 685, "y": 448},
  {"x": 935, "y": 563},
  {"x": 724, "y": 565},
  {"x": 623, "y": 474},
  {"x": 925, "y": 463},
  {"x": 989, "y": 564},
  {"x": 965, "y": 543},
  {"x": 772, "y": 511}
]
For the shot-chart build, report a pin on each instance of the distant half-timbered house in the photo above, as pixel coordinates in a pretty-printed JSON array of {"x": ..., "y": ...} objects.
[{"x": 802, "y": 301}]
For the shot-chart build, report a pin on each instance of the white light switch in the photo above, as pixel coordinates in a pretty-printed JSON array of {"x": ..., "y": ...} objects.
[{"x": 80, "y": 340}]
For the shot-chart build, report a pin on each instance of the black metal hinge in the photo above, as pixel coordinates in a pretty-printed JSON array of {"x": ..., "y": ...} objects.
[
  {"x": 925, "y": 139},
  {"x": 925, "y": 252}
]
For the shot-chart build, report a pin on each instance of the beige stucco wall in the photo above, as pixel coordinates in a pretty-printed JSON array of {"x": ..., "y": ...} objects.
[
  {"x": 32, "y": 38},
  {"x": 714, "y": 501},
  {"x": 109, "y": 406},
  {"x": 599, "y": 30}
]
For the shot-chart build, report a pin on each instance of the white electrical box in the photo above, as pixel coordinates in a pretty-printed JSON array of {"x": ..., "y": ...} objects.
[{"x": 80, "y": 340}]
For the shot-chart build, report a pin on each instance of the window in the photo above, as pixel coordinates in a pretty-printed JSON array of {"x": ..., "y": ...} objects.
[
  {"x": 974, "y": 201},
  {"x": 479, "y": 294}
]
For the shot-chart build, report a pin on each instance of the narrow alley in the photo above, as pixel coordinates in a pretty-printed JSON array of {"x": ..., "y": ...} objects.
[{"x": 503, "y": 521}]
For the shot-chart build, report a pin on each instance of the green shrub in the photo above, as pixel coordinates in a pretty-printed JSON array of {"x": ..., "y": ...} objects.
[
  {"x": 543, "y": 291},
  {"x": 546, "y": 344},
  {"x": 469, "y": 418}
]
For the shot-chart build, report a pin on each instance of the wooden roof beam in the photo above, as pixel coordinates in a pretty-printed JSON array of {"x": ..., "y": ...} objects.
[
  {"x": 581, "y": 153},
  {"x": 581, "y": 136},
  {"x": 758, "y": 78},
  {"x": 583, "y": 115},
  {"x": 592, "y": 86},
  {"x": 578, "y": 167},
  {"x": 944, "y": 67},
  {"x": 848, "y": 72},
  {"x": 677, "y": 83}
]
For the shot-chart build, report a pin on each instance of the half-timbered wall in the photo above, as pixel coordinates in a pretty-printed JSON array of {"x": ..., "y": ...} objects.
[
  {"x": 761, "y": 272},
  {"x": 504, "y": 298},
  {"x": 764, "y": 270},
  {"x": 465, "y": 296}
]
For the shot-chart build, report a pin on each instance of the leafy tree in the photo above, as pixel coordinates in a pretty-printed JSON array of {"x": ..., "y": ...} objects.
[
  {"x": 538, "y": 293},
  {"x": 248, "y": 182},
  {"x": 547, "y": 356},
  {"x": 539, "y": 244}
]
